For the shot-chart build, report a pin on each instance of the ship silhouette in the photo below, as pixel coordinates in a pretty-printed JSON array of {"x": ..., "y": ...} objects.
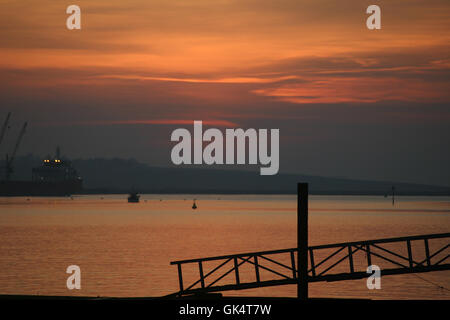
[
  {"x": 54, "y": 177},
  {"x": 133, "y": 197}
]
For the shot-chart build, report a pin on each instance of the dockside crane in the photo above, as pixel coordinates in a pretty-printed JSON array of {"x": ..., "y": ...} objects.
[
  {"x": 9, "y": 160},
  {"x": 4, "y": 128}
]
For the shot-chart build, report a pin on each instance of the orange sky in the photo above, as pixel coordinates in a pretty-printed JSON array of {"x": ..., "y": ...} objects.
[{"x": 295, "y": 51}]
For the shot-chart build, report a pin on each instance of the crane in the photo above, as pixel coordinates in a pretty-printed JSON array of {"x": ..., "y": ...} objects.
[
  {"x": 9, "y": 160},
  {"x": 5, "y": 127}
]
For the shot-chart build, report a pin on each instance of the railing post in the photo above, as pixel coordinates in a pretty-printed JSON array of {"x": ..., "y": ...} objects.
[
  {"x": 350, "y": 259},
  {"x": 311, "y": 259},
  {"x": 294, "y": 271},
  {"x": 200, "y": 269},
  {"x": 236, "y": 270},
  {"x": 408, "y": 244},
  {"x": 180, "y": 277},
  {"x": 427, "y": 252},
  {"x": 369, "y": 258},
  {"x": 302, "y": 241},
  {"x": 256, "y": 268}
]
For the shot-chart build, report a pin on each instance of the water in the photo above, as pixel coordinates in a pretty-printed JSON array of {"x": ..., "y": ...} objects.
[{"x": 124, "y": 249}]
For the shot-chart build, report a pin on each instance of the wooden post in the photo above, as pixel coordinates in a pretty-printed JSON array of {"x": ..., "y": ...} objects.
[
  {"x": 393, "y": 195},
  {"x": 302, "y": 241}
]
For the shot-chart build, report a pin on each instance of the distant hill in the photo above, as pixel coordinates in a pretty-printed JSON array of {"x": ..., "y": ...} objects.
[{"x": 120, "y": 175}]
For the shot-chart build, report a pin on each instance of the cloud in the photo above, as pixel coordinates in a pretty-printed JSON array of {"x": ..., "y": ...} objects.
[
  {"x": 218, "y": 123},
  {"x": 361, "y": 89},
  {"x": 237, "y": 79}
]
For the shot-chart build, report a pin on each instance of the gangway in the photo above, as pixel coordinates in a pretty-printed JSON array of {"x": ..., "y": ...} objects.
[{"x": 329, "y": 262}]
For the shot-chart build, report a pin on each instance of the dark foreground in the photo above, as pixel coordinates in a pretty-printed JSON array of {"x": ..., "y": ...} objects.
[{"x": 211, "y": 307}]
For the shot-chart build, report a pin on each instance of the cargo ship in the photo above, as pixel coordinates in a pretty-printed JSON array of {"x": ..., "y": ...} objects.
[{"x": 54, "y": 177}]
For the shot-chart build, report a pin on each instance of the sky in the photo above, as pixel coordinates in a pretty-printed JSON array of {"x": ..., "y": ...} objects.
[{"x": 349, "y": 102}]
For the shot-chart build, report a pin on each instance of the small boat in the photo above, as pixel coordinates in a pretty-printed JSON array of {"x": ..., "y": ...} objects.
[
  {"x": 194, "y": 206},
  {"x": 133, "y": 197}
]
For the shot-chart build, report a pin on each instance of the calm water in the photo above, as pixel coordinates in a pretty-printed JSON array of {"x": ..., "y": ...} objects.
[{"x": 125, "y": 249}]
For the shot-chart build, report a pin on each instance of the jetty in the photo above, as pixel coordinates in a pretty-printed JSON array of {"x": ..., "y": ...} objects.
[{"x": 305, "y": 264}]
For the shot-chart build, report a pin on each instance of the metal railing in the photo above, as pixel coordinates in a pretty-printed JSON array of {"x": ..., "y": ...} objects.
[{"x": 329, "y": 267}]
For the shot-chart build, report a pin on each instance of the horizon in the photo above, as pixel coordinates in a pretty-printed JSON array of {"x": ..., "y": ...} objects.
[{"x": 253, "y": 169}]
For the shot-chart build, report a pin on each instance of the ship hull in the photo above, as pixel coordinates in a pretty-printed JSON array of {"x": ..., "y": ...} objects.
[{"x": 36, "y": 188}]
